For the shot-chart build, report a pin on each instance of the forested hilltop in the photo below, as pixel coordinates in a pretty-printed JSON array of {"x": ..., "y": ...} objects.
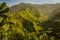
[{"x": 27, "y": 21}]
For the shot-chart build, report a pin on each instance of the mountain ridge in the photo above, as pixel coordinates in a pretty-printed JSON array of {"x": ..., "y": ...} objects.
[{"x": 46, "y": 8}]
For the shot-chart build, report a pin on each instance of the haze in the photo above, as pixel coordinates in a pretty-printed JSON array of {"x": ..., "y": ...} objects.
[{"x": 14, "y": 2}]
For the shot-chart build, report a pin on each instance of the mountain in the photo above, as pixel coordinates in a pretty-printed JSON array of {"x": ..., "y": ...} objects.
[
  {"x": 29, "y": 16},
  {"x": 54, "y": 21},
  {"x": 28, "y": 22},
  {"x": 57, "y": 11},
  {"x": 47, "y": 9},
  {"x": 23, "y": 6},
  {"x": 37, "y": 14}
]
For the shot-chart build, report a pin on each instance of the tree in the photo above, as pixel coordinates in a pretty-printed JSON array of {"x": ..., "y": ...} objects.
[{"x": 3, "y": 9}]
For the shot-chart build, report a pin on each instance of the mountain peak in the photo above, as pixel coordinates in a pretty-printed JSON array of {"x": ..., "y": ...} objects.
[{"x": 20, "y": 7}]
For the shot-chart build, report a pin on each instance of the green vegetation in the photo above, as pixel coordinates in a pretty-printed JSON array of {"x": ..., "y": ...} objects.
[{"x": 28, "y": 23}]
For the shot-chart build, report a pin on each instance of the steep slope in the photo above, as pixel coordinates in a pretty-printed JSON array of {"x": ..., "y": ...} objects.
[
  {"x": 57, "y": 11},
  {"x": 47, "y": 8},
  {"x": 30, "y": 17},
  {"x": 32, "y": 10},
  {"x": 29, "y": 13},
  {"x": 53, "y": 22},
  {"x": 22, "y": 7}
]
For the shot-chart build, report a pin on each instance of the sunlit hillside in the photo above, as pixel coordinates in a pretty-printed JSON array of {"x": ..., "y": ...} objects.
[{"x": 27, "y": 21}]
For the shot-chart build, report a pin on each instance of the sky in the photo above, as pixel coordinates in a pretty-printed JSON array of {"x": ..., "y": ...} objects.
[{"x": 14, "y": 2}]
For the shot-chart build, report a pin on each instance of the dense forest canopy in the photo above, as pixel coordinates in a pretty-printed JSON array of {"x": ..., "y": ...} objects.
[{"x": 29, "y": 22}]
